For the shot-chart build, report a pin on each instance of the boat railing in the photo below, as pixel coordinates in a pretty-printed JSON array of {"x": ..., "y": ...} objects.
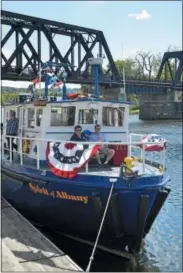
[
  {"x": 140, "y": 151},
  {"x": 130, "y": 144}
]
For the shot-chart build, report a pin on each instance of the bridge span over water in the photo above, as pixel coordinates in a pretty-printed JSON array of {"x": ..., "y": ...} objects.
[{"x": 29, "y": 36}]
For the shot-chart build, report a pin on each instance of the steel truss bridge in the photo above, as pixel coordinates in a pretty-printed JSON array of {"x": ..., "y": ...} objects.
[{"x": 29, "y": 35}]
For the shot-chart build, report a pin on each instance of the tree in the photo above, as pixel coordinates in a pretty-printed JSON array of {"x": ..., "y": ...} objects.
[
  {"x": 145, "y": 62},
  {"x": 156, "y": 63},
  {"x": 8, "y": 98},
  {"x": 129, "y": 66}
]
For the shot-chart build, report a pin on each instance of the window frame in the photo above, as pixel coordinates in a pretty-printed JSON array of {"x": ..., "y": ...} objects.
[
  {"x": 63, "y": 107},
  {"x": 105, "y": 116},
  {"x": 33, "y": 119},
  {"x": 87, "y": 109},
  {"x": 37, "y": 117}
]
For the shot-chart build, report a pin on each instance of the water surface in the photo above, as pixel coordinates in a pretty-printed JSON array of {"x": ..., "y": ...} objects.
[{"x": 162, "y": 248}]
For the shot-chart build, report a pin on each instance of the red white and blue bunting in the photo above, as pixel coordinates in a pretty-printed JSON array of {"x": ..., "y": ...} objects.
[
  {"x": 154, "y": 146},
  {"x": 66, "y": 159}
]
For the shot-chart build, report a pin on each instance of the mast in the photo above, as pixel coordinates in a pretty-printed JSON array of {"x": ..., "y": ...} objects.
[
  {"x": 124, "y": 79},
  {"x": 96, "y": 63}
]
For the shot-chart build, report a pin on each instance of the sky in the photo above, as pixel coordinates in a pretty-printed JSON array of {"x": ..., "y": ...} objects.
[{"x": 128, "y": 26}]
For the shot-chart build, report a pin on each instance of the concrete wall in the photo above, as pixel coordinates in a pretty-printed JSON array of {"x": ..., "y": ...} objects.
[
  {"x": 160, "y": 110},
  {"x": 156, "y": 97},
  {"x": 110, "y": 93},
  {"x": 154, "y": 106}
]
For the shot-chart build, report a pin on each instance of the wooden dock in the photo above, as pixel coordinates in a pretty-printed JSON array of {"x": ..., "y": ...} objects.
[{"x": 24, "y": 248}]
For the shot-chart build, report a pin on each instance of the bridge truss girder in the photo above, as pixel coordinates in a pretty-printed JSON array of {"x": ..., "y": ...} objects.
[
  {"x": 178, "y": 67},
  {"x": 82, "y": 40}
]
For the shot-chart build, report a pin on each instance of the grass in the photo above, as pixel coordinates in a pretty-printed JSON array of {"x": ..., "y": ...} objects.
[{"x": 134, "y": 110}]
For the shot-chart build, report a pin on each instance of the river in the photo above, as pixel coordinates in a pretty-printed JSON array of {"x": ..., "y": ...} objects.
[{"x": 162, "y": 248}]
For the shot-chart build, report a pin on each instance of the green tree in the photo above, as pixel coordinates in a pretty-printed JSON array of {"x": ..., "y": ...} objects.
[
  {"x": 8, "y": 98},
  {"x": 128, "y": 65}
]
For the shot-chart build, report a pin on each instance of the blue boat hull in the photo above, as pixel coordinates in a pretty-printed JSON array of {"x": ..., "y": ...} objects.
[{"x": 76, "y": 206}]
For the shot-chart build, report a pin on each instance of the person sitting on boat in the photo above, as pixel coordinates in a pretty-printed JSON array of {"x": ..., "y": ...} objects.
[
  {"x": 12, "y": 130},
  {"x": 100, "y": 137},
  {"x": 78, "y": 136}
]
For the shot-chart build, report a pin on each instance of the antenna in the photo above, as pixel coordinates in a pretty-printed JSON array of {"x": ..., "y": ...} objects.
[
  {"x": 124, "y": 82},
  {"x": 123, "y": 73}
]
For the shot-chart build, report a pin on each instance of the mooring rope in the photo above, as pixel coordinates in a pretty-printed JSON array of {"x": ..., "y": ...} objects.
[{"x": 100, "y": 229}]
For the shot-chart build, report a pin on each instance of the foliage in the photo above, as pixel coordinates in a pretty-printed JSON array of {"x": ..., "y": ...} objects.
[
  {"x": 145, "y": 65},
  {"x": 8, "y": 98},
  {"x": 8, "y": 94}
]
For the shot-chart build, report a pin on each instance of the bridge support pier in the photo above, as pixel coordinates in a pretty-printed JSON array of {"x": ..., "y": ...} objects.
[{"x": 155, "y": 106}]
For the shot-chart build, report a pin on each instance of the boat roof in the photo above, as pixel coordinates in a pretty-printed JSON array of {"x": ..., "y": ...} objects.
[
  {"x": 78, "y": 100},
  {"x": 91, "y": 100}
]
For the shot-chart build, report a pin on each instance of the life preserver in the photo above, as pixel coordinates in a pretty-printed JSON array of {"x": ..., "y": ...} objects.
[
  {"x": 82, "y": 96},
  {"x": 72, "y": 96},
  {"x": 155, "y": 147},
  {"x": 26, "y": 146}
]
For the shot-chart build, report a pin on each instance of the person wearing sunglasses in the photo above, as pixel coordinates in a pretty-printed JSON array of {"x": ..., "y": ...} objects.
[
  {"x": 97, "y": 136},
  {"x": 78, "y": 136}
]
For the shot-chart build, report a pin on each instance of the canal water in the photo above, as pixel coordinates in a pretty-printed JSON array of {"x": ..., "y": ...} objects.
[{"x": 162, "y": 248}]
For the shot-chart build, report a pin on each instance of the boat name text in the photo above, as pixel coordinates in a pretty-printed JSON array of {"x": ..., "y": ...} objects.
[{"x": 58, "y": 194}]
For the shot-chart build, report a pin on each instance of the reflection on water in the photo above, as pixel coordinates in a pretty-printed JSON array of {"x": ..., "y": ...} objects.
[
  {"x": 163, "y": 245},
  {"x": 162, "y": 249}
]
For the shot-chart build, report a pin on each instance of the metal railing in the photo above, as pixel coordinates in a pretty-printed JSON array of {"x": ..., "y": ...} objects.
[
  {"x": 161, "y": 154},
  {"x": 131, "y": 145}
]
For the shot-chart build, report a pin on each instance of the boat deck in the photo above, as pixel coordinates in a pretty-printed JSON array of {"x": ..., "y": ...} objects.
[
  {"x": 24, "y": 248},
  {"x": 93, "y": 169}
]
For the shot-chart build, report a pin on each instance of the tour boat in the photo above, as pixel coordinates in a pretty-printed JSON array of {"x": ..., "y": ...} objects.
[{"x": 59, "y": 185}]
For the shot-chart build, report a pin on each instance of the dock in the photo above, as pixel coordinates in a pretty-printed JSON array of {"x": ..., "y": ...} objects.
[{"x": 24, "y": 248}]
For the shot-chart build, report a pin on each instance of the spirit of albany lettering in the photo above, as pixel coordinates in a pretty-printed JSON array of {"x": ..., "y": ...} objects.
[
  {"x": 64, "y": 195},
  {"x": 37, "y": 189},
  {"x": 58, "y": 194}
]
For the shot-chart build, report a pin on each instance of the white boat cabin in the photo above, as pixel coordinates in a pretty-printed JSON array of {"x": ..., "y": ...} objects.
[{"x": 56, "y": 120}]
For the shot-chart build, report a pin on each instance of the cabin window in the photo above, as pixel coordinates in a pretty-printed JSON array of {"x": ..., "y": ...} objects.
[
  {"x": 87, "y": 116},
  {"x": 113, "y": 116},
  {"x": 39, "y": 114},
  {"x": 63, "y": 116},
  {"x": 31, "y": 118}
]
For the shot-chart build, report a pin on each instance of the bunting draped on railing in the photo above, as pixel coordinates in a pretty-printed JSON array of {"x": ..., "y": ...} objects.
[
  {"x": 159, "y": 143},
  {"x": 66, "y": 159}
]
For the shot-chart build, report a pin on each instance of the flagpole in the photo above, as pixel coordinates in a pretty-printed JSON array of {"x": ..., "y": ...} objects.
[{"x": 123, "y": 72}]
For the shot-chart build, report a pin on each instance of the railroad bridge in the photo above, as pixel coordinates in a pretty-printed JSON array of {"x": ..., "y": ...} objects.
[{"x": 29, "y": 36}]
